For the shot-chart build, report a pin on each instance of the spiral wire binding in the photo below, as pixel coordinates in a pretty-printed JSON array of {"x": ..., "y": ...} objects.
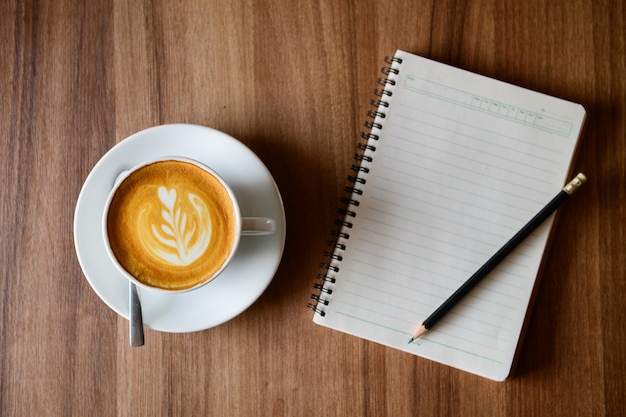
[{"x": 350, "y": 202}]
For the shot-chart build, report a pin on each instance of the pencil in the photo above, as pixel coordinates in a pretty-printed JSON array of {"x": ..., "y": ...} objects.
[{"x": 508, "y": 247}]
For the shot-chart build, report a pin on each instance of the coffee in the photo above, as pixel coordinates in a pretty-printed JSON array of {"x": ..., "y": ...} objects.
[{"x": 172, "y": 225}]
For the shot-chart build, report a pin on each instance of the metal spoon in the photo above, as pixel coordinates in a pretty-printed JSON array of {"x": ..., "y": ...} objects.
[{"x": 136, "y": 320}]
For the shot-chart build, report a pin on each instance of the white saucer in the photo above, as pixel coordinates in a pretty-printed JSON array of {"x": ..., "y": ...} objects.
[{"x": 257, "y": 258}]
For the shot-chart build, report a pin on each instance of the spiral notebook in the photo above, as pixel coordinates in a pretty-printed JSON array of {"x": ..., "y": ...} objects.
[{"x": 453, "y": 164}]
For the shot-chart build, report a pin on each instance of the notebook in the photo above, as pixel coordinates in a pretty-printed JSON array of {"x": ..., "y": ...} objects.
[{"x": 452, "y": 166}]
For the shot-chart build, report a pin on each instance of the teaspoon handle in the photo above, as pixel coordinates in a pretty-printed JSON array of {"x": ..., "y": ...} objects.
[{"x": 136, "y": 320}]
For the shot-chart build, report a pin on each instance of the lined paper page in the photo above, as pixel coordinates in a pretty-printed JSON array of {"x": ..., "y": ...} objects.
[{"x": 462, "y": 163}]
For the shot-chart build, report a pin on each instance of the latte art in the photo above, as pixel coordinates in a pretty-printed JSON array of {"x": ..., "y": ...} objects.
[
  {"x": 172, "y": 225},
  {"x": 184, "y": 233}
]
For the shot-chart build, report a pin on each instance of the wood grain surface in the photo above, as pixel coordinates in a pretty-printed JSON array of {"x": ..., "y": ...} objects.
[{"x": 293, "y": 81}]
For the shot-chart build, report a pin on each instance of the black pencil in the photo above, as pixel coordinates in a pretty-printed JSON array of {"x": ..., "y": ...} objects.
[{"x": 508, "y": 247}]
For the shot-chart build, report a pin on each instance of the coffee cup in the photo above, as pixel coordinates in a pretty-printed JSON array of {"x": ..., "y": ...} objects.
[{"x": 173, "y": 224}]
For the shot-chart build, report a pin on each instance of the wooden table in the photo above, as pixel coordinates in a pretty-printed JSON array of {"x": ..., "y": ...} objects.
[{"x": 293, "y": 81}]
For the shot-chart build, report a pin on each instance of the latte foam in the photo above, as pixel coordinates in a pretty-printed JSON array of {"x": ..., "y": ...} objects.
[{"x": 171, "y": 225}]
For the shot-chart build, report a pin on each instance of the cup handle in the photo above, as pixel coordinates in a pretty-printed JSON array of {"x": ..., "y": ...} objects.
[{"x": 257, "y": 226}]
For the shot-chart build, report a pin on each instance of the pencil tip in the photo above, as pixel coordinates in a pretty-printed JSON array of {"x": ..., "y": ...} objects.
[
  {"x": 411, "y": 340},
  {"x": 419, "y": 332}
]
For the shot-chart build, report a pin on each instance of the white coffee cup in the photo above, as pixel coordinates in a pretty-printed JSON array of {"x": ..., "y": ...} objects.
[{"x": 161, "y": 236}]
